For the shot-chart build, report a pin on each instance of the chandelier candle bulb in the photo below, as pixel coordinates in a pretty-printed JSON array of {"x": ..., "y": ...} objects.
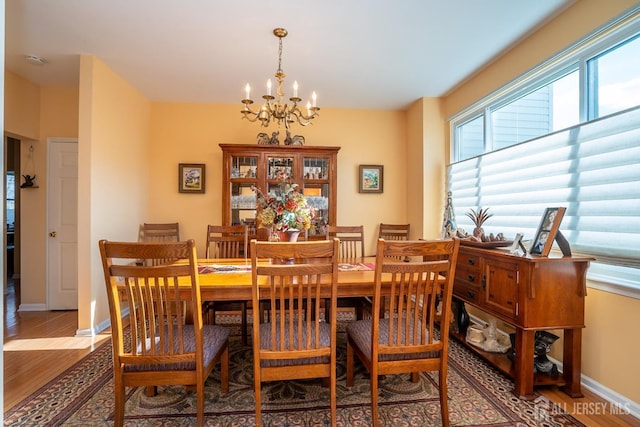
[
  {"x": 314, "y": 98},
  {"x": 269, "y": 87},
  {"x": 295, "y": 88},
  {"x": 247, "y": 89}
]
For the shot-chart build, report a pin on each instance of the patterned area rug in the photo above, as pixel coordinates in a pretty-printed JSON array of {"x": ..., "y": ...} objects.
[{"x": 479, "y": 396}]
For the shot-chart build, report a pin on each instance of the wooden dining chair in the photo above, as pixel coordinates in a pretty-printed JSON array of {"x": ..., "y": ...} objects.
[
  {"x": 394, "y": 231},
  {"x": 406, "y": 339},
  {"x": 295, "y": 343},
  {"x": 160, "y": 232},
  {"x": 161, "y": 346},
  {"x": 351, "y": 251},
  {"x": 227, "y": 241}
]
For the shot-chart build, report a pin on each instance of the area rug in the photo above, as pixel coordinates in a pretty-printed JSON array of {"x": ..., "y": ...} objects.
[{"x": 478, "y": 396}]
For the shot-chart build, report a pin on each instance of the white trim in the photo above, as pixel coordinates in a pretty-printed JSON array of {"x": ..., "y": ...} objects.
[
  {"x": 102, "y": 326},
  {"x": 32, "y": 307},
  {"x": 615, "y": 279}
]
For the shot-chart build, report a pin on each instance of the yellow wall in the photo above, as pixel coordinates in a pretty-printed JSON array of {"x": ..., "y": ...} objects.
[
  {"x": 425, "y": 171},
  {"x": 190, "y": 133},
  {"x": 113, "y": 176},
  {"x": 34, "y": 114},
  {"x": 608, "y": 352},
  {"x": 22, "y": 107}
]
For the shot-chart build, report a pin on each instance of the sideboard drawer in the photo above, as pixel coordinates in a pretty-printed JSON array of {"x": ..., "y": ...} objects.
[
  {"x": 467, "y": 292},
  {"x": 470, "y": 262}
]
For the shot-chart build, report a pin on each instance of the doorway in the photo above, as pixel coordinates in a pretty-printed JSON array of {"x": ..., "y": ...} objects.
[{"x": 11, "y": 226}]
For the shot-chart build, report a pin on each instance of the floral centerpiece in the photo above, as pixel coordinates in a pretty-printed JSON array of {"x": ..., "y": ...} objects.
[{"x": 283, "y": 209}]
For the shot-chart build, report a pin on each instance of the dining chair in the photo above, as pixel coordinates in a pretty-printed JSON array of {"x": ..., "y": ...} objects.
[
  {"x": 160, "y": 232},
  {"x": 351, "y": 251},
  {"x": 394, "y": 231},
  {"x": 296, "y": 343},
  {"x": 161, "y": 346},
  {"x": 227, "y": 241},
  {"x": 406, "y": 339}
]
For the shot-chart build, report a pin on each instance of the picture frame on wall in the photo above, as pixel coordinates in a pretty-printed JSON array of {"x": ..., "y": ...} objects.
[
  {"x": 371, "y": 178},
  {"x": 547, "y": 231},
  {"x": 191, "y": 178}
]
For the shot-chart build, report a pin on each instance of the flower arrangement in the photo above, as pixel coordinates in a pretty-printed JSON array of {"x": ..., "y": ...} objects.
[{"x": 285, "y": 208}]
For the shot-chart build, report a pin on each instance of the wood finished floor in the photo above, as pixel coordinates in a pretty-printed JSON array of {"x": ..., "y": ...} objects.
[{"x": 38, "y": 346}]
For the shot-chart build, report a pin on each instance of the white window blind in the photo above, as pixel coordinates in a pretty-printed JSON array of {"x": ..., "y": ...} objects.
[{"x": 592, "y": 169}]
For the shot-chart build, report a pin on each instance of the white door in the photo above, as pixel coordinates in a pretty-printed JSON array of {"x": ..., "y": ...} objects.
[{"x": 62, "y": 224}]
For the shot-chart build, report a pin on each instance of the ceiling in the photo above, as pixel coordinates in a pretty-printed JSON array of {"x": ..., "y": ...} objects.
[{"x": 370, "y": 54}]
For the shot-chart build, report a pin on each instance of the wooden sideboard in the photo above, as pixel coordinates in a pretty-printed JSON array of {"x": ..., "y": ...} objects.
[{"x": 531, "y": 293}]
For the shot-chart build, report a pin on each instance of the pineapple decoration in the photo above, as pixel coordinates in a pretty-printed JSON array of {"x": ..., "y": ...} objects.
[{"x": 479, "y": 218}]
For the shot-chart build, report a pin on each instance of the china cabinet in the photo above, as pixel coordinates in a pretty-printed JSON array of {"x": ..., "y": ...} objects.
[
  {"x": 244, "y": 166},
  {"x": 532, "y": 293}
]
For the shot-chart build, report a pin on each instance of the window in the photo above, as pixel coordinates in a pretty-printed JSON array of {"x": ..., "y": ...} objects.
[
  {"x": 470, "y": 137},
  {"x": 614, "y": 79},
  {"x": 565, "y": 134}
]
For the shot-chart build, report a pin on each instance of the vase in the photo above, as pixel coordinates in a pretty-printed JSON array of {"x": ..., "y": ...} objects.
[
  {"x": 463, "y": 319},
  {"x": 288, "y": 235}
]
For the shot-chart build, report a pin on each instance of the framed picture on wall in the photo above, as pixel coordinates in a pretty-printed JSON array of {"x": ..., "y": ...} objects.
[
  {"x": 191, "y": 177},
  {"x": 547, "y": 231},
  {"x": 371, "y": 178}
]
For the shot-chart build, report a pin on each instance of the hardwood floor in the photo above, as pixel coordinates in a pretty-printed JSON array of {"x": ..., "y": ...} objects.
[{"x": 38, "y": 346}]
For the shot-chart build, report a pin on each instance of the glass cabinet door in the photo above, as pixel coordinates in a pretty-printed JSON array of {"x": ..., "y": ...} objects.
[
  {"x": 315, "y": 177},
  {"x": 243, "y": 199}
]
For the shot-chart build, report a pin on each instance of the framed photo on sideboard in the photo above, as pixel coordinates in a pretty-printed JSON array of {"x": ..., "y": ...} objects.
[{"x": 547, "y": 231}]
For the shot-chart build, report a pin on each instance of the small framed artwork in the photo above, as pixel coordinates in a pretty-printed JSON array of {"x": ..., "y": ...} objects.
[
  {"x": 371, "y": 178},
  {"x": 191, "y": 177},
  {"x": 547, "y": 231}
]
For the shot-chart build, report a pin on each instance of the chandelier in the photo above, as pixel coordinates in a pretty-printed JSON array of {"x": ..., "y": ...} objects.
[{"x": 276, "y": 109}]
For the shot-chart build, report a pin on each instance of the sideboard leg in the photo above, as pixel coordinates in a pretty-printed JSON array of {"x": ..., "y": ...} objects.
[
  {"x": 523, "y": 375},
  {"x": 571, "y": 362}
]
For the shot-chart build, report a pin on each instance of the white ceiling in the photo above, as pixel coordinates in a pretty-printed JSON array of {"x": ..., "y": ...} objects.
[{"x": 372, "y": 54}]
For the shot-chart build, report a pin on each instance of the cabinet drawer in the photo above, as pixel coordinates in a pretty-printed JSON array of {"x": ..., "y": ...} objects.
[
  {"x": 470, "y": 276},
  {"x": 466, "y": 291},
  {"x": 469, "y": 262}
]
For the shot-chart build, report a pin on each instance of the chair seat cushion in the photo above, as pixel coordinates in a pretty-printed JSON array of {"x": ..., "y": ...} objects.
[
  {"x": 265, "y": 343},
  {"x": 214, "y": 337},
  {"x": 360, "y": 333}
]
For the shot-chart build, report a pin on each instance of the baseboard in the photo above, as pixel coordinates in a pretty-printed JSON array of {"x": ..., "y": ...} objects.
[
  {"x": 100, "y": 327},
  {"x": 616, "y": 403},
  {"x": 95, "y": 330},
  {"x": 32, "y": 307}
]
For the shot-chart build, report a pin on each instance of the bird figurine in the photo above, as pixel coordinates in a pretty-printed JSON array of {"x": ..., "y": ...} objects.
[{"x": 28, "y": 181}]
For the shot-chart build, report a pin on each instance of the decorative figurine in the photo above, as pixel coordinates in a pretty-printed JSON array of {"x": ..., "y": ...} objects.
[
  {"x": 274, "y": 138},
  {"x": 449, "y": 226},
  {"x": 29, "y": 181},
  {"x": 263, "y": 138},
  {"x": 296, "y": 140},
  {"x": 543, "y": 342}
]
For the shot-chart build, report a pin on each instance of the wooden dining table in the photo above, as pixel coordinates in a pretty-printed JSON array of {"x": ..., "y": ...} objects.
[{"x": 230, "y": 279}]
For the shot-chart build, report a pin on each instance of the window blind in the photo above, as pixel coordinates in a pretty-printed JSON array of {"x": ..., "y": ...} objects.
[{"x": 592, "y": 169}]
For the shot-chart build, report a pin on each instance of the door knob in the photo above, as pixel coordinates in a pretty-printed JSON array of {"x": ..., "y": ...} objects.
[{"x": 53, "y": 234}]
